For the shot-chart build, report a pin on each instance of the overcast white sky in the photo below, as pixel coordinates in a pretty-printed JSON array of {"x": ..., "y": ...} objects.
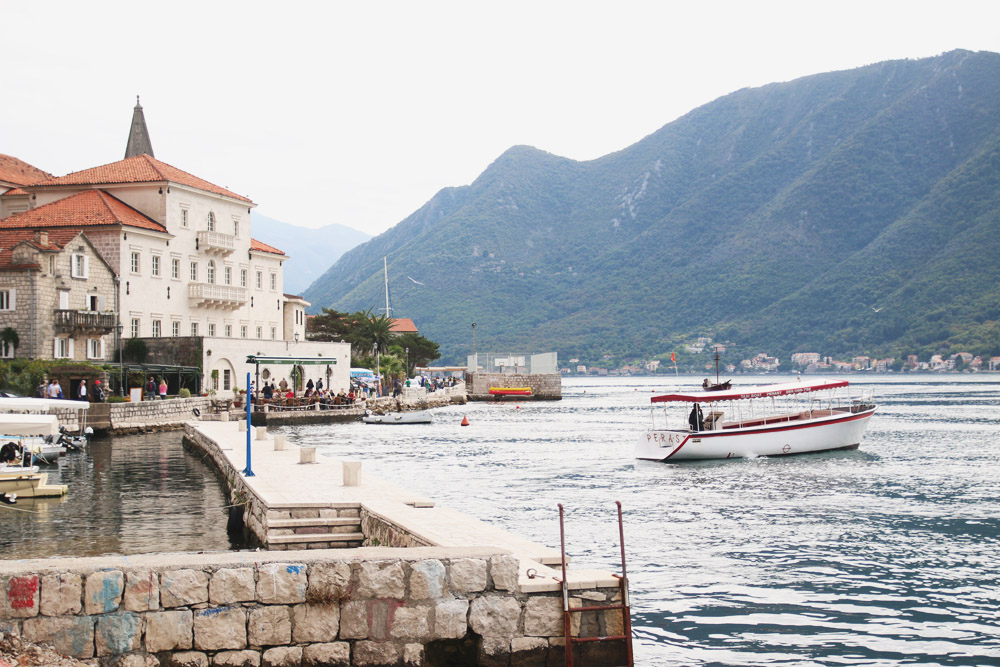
[{"x": 359, "y": 112}]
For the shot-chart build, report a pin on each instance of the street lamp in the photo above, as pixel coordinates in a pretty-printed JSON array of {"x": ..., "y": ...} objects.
[
  {"x": 407, "y": 361},
  {"x": 475, "y": 359}
]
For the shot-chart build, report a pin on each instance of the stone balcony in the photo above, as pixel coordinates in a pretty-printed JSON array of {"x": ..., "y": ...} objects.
[
  {"x": 84, "y": 322},
  {"x": 216, "y": 243},
  {"x": 217, "y": 296}
]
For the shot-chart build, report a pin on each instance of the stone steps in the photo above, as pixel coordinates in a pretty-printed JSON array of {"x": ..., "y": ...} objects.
[
  {"x": 331, "y": 540},
  {"x": 308, "y": 523}
]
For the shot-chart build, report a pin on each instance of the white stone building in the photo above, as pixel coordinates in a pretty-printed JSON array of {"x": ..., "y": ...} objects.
[{"x": 183, "y": 261}]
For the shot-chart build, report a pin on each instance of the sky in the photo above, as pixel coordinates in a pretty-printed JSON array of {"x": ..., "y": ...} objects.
[{"x": 357, "y": 113}]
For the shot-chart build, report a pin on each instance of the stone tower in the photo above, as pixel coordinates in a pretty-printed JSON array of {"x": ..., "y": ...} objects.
[{"x": 138, "y": 135}]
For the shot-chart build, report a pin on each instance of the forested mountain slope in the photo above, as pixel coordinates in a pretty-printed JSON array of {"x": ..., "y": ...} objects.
[{"x": 852, "y": 211}]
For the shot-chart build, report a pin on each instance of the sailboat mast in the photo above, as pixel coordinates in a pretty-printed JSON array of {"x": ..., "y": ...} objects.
[{"x": 385, "y": 267}]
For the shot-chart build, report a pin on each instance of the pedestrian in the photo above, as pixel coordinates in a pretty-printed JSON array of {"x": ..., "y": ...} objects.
[
  {"x": 163, "y": 389},
  {"x": 319, "y": 385},
  {"x": 83, "y": 390},
  {"x": 310, "y": 384},
  {"x": 98, "y": 392},
  {"x": 59, "y": 391},
  {"x": 151, "y": 389}
]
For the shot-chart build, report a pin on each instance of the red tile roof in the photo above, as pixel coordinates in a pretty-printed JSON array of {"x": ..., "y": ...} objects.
[
  {"x": 14, "y": 191},
  {"x": 263, "y": 247},
  {"x": 403, "y": 325},
  {"x": 90, "y": 208},
  {"x": 19, "y": 172},
  {"x": 58, "y": 238},
  {"x": 138, "y": 169}
]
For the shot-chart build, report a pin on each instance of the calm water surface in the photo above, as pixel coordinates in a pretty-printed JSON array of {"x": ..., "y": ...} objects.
[{"x": 883, "y": 556}]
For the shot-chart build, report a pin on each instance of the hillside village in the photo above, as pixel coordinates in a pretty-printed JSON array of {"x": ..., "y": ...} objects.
[{"x": 799, "y": 362}]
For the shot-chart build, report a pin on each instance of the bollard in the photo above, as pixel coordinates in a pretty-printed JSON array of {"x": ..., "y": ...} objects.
[
  {"x": 279, "y": 443},
  {"x": 241, "y": 426},
  {"x": 261, "y": 432},
  {"x": 307, "y": 455},
  {"x": 352, "y": 473}
]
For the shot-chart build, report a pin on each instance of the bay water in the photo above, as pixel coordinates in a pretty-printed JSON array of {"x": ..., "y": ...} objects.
[{"x": 887, "y": 555}]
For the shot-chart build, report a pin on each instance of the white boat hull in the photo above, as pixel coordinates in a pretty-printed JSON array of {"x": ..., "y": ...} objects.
[
  {"x": 29, "y": 483},
  {"x": 419, "y": 417},
  {"x": 842, "y": 431}
]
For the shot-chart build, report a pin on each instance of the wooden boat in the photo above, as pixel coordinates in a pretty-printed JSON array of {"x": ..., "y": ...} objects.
[
  {"x": 27, "y": 481},
  {"x": 415, "y": 417},
  {"x": 510, "y": 391},
  {"x": 765, "y": 420}
]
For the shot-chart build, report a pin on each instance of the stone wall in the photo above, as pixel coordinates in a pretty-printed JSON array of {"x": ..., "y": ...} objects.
[
  {"x": 156, "y": 415},
  {"x": 371, "y": 606},
  {"x": 543, "y": 387}
]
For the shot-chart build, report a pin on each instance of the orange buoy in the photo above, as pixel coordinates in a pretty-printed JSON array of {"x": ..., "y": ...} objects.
[
  {"x": 465, "y": 420},
  {"x": 517, "y": 407}
]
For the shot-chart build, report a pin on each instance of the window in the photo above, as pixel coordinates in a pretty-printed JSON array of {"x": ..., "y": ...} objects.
[
  {"x": 274, "y": 281},
  {"x": 175, "y": 268},
  {"x": 243, "y": 331},
  {"x": 215, "y": 383},
  {"x": 226, "y": 379},
  {"x": 135, "y": 262},
  {"x": 236, "y": 228},
  {"x": 7, "y": 299},
  {"x": 210, "y": 273},
  {"x": 175, "y": 329},
  {"x": 228, "y": 273},
  {"x": 135, "y": 327},
  {"x": 260, "y": 332},
  {"x": 243, "y": 277},
  {"x": 184, "y": 218},
  {"x": 156, "y": 328},
  {"x": 211, "y": 329},
  {"x": 211, "y": 221},
  {"x": 79, "y": 265},
  {"x": 194, "y": 328},
  {"x": 95, "y": 348},
  {"x": 260, "y": 279},
  {"x": 154, "y": 265},
  {"x": 274, "y": 333},
  {"x": 229, "y": 331},
  {"x": 63, "y": 348},
  {"x": 6, "y": 350},
  {"x": 194, "y": 271}
]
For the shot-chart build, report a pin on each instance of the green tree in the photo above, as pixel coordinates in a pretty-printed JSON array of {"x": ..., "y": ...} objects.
[
  {"x": 418, "y": 350},
  {"x": 135, "y": 350},
  {"x": 10, "y": 338}
]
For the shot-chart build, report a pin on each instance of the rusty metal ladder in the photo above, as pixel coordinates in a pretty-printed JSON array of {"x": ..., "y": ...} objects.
[{"x": 622, "y": 587}]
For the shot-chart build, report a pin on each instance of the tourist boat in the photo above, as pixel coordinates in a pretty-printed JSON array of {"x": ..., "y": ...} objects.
[
  {"x": 415, "y": 417},
  {"x": 766, "y": 420},
  {"x": 47, "y": 406},
  {"x": 510, "y": 391}
]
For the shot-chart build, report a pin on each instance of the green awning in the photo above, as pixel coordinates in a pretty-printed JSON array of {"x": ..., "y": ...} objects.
[{"x": 294, "y": 361}]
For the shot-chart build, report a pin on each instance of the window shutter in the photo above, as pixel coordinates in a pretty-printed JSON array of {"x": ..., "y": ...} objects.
[
  {"x": 102, "y": 349},
  {"x": 13, "y": 301},
  {"x": 101, "y": 303},
  {"x": 55, "y": 348},
  {"x": 70, "y": 348},
  {"x": 86, "y": 266}
]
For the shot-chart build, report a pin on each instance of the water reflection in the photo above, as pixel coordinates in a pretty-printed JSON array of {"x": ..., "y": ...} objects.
[{"x": 127, "y": 495}]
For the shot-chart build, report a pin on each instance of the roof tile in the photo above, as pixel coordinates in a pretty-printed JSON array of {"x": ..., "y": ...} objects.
[
  {"x": 138, "y": 169},
  {"x": 92, "y": 208},
  {"x": 19, "y": 172},
  {"x": 263, "y": 247}
]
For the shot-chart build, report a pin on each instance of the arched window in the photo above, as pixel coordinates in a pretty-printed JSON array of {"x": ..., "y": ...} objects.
[
  {"x": 211, "y": 221},
  {"x": 211, "y": 272}
]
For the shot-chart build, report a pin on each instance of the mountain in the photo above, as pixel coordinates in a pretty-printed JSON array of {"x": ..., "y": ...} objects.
[
  {"x": 854, "y": 211},
  {"x": 310, "y": 251}
]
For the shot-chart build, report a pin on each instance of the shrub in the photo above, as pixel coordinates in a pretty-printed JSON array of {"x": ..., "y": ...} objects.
[{"x": 184, "y": 392}]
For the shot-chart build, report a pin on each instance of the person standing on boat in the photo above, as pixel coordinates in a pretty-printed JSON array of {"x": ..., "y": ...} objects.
[{"x": 696, "y": 419}]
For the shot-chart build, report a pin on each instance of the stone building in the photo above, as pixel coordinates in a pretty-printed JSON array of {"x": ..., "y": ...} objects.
[{"x": 182, "y": 260}]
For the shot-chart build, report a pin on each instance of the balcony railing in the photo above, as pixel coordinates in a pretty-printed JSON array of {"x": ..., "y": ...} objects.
[
  {"x": 217, "y": 296},
  {"x": 216, "y": 242},
  {"x": 84, "y": 321}
]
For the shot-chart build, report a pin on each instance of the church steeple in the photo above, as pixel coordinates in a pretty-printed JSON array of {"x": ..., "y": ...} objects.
[{"x": 138, "y": 135}]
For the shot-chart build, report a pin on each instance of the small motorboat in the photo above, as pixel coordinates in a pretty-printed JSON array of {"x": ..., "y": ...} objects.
[
  {"x": 510, "y": 391},
  {"x": 415, "y": 417}
]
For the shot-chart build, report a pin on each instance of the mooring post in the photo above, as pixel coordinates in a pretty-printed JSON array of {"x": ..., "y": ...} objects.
[{"x": 248, "y": 471}]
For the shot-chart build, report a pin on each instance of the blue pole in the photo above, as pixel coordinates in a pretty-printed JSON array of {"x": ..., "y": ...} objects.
[{"x": 247, "y": 472}]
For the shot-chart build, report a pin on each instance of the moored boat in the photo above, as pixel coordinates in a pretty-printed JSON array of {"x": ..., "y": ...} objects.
[
  {"x": 765, "y": 420},
  {"x": 415, "y": 417}
]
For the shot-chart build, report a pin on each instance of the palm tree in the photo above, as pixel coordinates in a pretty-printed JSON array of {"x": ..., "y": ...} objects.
[{"x": 379, "y": 331}]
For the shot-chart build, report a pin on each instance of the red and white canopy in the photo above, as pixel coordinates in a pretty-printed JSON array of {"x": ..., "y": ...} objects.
[{"x": 758, "y": 391}]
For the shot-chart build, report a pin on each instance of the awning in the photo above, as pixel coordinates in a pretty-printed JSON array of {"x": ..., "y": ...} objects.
[
  {"x": 293, "y": 361},
  {"x": 758, "y": 391}
]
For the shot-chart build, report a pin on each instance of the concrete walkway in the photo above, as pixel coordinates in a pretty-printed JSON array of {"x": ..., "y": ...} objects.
[{"x": 280, "y": 480}]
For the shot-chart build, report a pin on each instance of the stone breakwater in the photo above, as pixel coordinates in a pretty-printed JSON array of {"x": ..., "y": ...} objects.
[{"x": 369, "y": 606}]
